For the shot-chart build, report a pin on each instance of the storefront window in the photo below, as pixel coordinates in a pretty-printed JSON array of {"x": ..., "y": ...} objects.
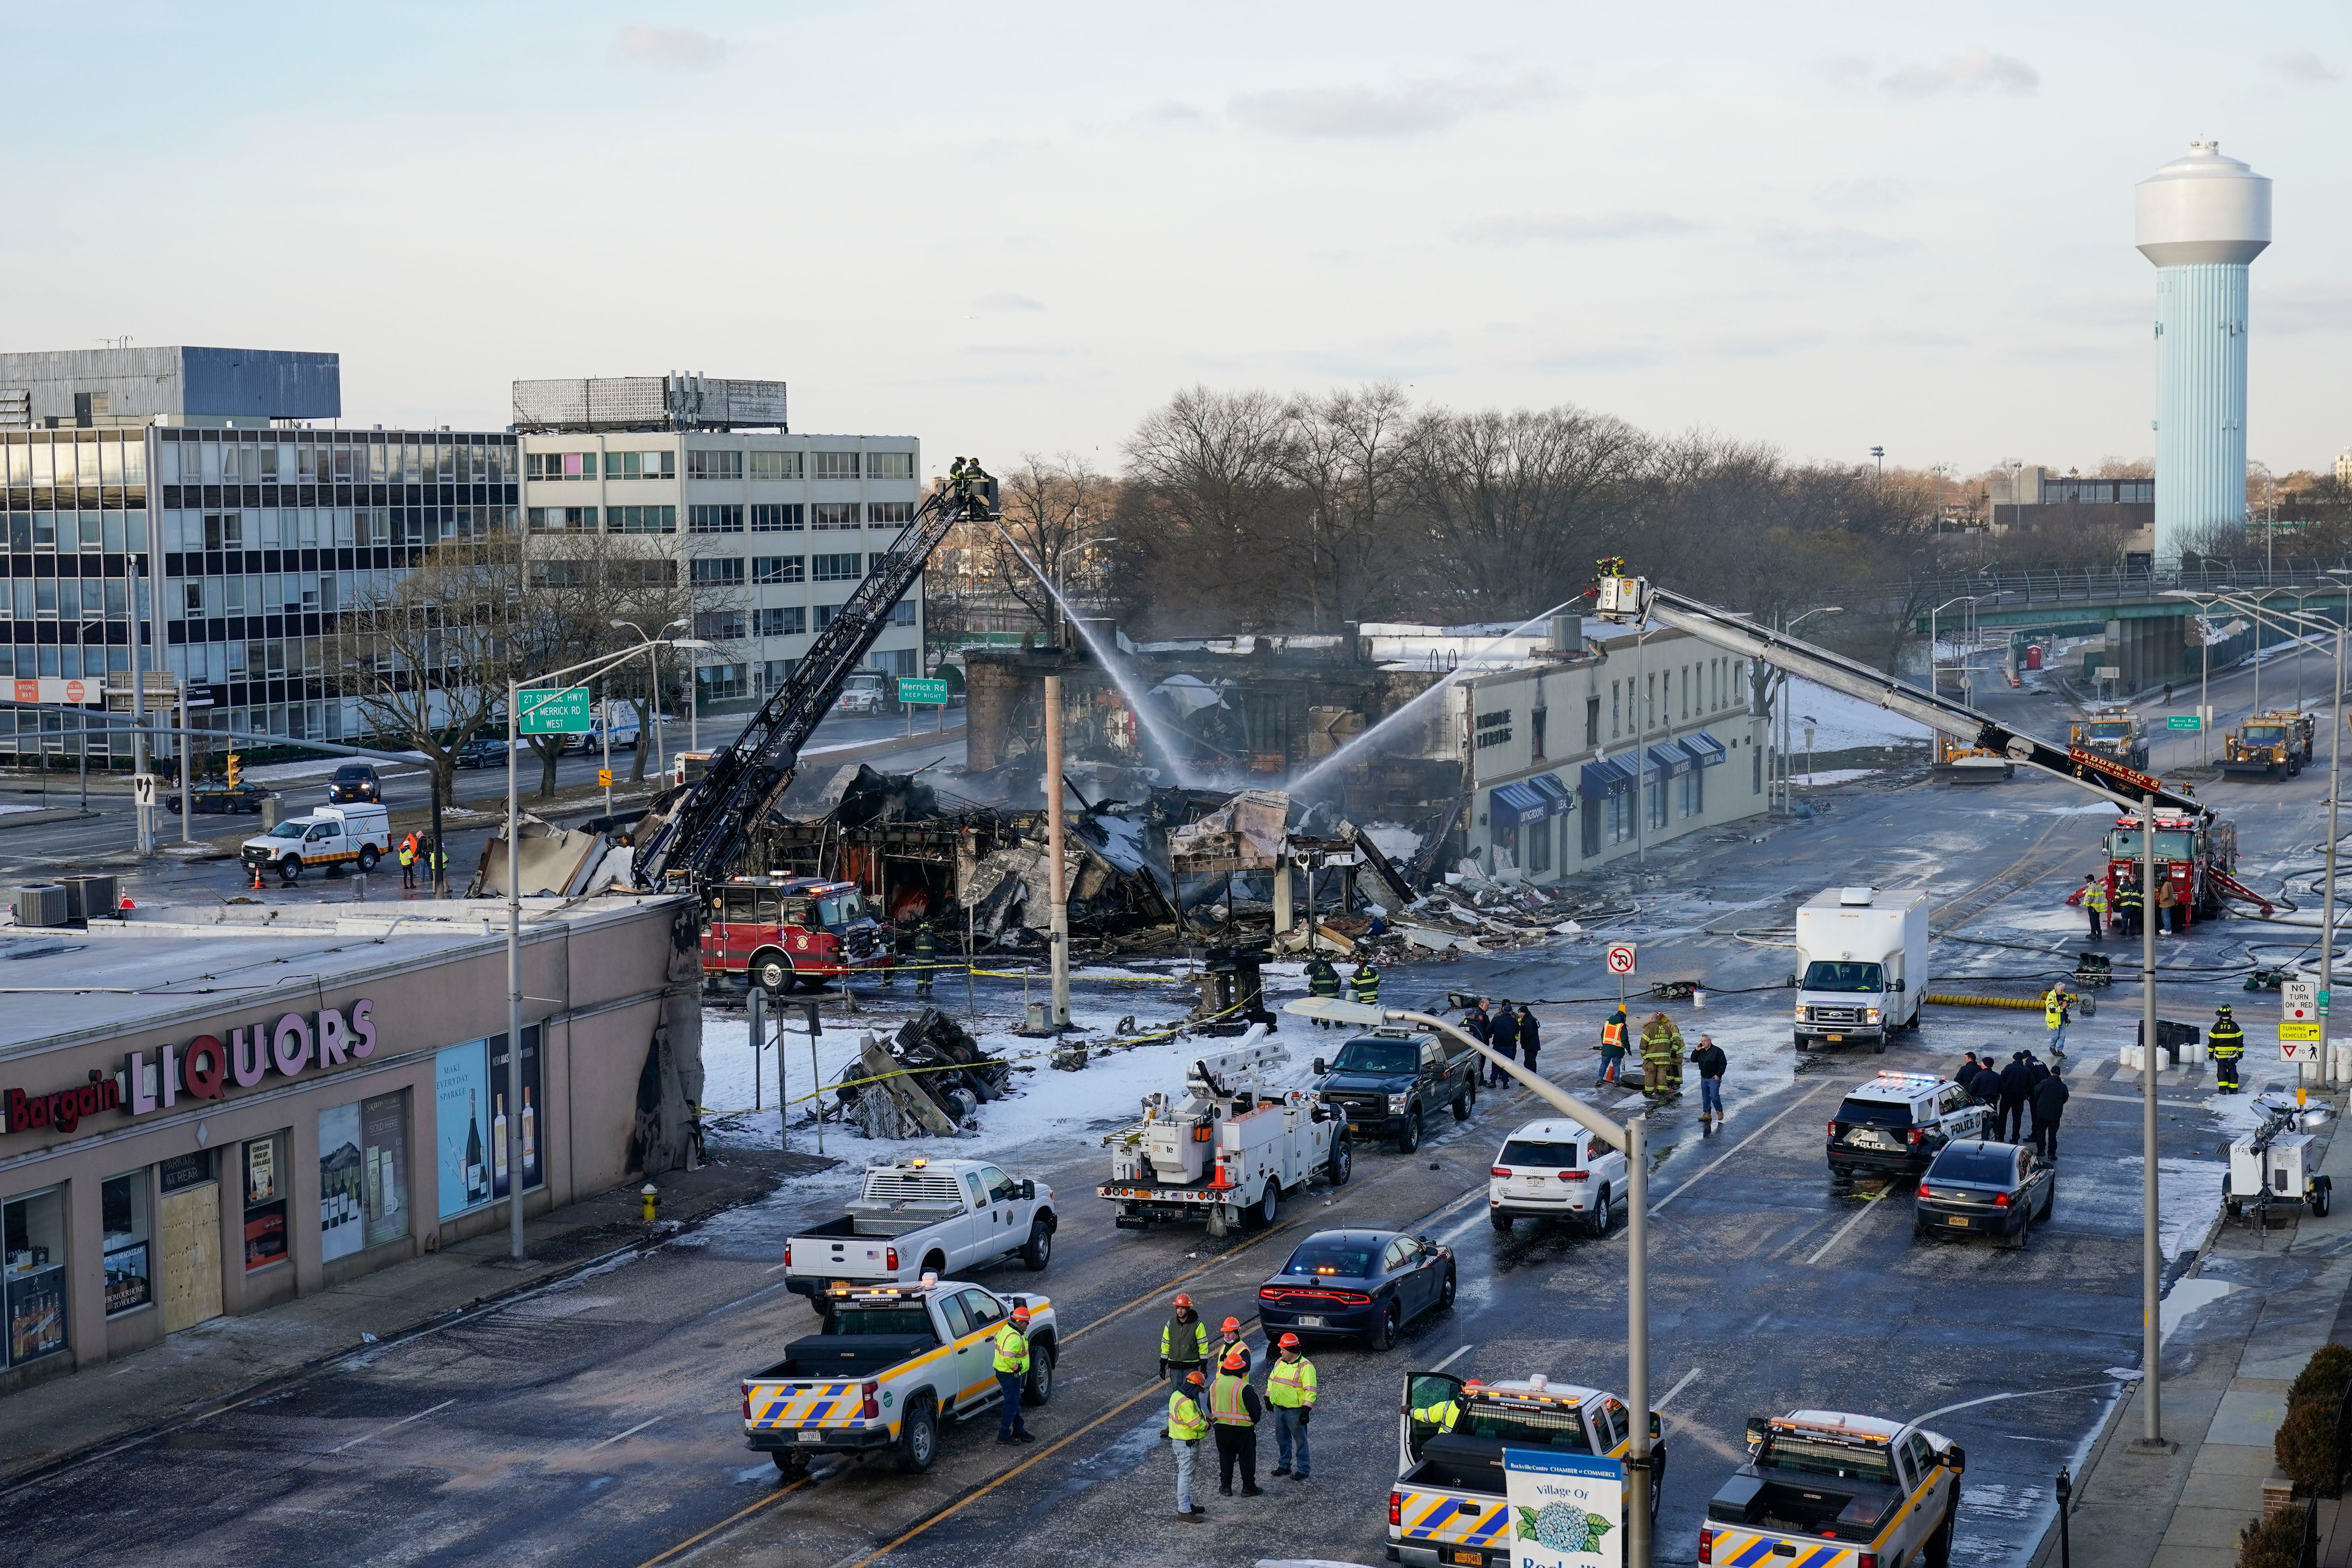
[
  {"x": 33, "y": 1229},
  {"x": 363, "y": 1174},
  {"x": 473, "y": 1103},
  {"x": 264, "y": 1201},
  {"x": 129, "y": 1278}
]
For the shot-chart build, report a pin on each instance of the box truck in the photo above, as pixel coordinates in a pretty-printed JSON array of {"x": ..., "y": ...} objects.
[{"x": 1862, "y": 965}]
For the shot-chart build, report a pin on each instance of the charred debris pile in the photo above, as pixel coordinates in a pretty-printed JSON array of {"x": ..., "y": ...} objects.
[{"x": 930, "y": 1077}]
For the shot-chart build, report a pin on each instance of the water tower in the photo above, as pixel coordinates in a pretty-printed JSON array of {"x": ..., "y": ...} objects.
[{"x": 2201, "y": 220}]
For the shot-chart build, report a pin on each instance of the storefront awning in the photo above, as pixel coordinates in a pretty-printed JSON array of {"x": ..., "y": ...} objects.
[
  {"x": 1514, "y": 804},
  {"x": 1599, "y": 780},
  {"x": 1704, "y": 749},
  {"x": 1670, "y": 761},
  {"x": 1555, "y": 791}
]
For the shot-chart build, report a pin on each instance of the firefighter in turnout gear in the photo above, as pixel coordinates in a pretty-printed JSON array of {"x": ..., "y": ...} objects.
[
  {"x": 1188, "y": 1423},
  {"x": 1012, "y": 1368},
  {"x": 2225, "y": 1042},
  {"x": 1290, "y": 1389},
  {"x": 1322, "y": 979},
  {"x": 1235, "y": 1409},
  {"x": 1662, "y": 1058},
  {"x": 1364, "y": 984},
  {"x": 925, "y": 954},
  {"x": 2129, "y": 907},
  {"x": 1183, "y": 1342}
]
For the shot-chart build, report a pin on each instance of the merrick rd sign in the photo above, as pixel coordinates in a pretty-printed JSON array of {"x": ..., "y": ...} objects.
[{"x": 203, "y": 1069}]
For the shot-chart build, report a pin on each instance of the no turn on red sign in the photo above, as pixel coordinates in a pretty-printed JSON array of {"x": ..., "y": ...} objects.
[{"x": 1620, "y": 958}]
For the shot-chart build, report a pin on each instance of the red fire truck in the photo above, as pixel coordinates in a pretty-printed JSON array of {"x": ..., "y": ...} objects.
[
  {"x": 2197, "y": 855},
  {"x": 780, "y": 932}
]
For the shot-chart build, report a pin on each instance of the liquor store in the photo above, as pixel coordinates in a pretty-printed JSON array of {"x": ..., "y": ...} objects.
[{"x": 208, "y": 1111}]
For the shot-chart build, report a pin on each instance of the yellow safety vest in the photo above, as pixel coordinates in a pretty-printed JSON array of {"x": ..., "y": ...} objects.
[
  {"x": 1172, "y": 1349},
  {"x": 2054, "y": 1010},
  {"x": 1011, "y": 1350},
  {"x": 1443, "y": 1416},
  {"x": 2097, "y": 898},
  {"x": 1226, "y": 1405},
  {"x": 1290, "y": 1384},
  {"x": 1185, "y": 1421},
  {"x": 407, "y": 853}
]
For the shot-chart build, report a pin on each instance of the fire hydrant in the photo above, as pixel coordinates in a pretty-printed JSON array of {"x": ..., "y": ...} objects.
[{"x": 650, "y": 1195}]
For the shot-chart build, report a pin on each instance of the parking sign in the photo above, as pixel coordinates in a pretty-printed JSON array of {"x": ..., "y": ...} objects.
[{"x": 1620, "y": 958}]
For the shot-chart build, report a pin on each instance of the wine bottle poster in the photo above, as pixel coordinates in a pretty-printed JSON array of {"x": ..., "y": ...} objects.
[
  {"x": 461, "y": 1111},
  {"x": 506, "y": 1107}
]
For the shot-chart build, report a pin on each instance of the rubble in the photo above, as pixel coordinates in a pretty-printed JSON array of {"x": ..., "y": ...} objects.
[{"x": 928, "y": 1081}]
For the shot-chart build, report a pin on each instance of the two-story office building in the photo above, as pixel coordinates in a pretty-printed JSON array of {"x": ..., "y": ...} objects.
[
  {"x": 769, "y": 531},
  {"x": 1610, "y": 743}
]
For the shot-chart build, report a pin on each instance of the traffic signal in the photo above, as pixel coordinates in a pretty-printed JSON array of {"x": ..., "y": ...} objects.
[{"x": 234, "y": 770}]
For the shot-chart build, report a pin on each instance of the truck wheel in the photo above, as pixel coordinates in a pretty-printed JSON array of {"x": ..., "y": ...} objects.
[
  {"x": 1342, "y": 1163},
  {"x": 1039, "y": 1251},
  {"x": 289, "y": 870},
  {"x": 367, "y": 856},
  {"x": 1878, "y": 1046},
  {"x": 1462, "y": 1103},
  {"x": 1039, "y": 1387},
  {"x": 1260, "y": 1214},
  {"x": 771, "y": 971},
  {"x": 791, "y": 1465},
  {"x": 919, "y": 1436},
  {"x": 937, "y": 1262},
  {"x": 1940, "y": 1545},
  {"x": 1410, "y": 1138}
]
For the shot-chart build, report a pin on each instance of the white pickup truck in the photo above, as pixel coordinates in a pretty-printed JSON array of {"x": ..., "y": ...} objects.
[
  {"x": 332, "y": 836},
  {"x": 1836, "y": 1491},
  {"x": 923, "y": 1217},
  {"x": 892, "y": 1363}
]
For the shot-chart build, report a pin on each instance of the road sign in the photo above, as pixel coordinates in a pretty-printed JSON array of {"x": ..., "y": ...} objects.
[
  {"x": 2184, "y": 721},
  {"x": 923, "y": 693},
  {"x": 142, "y": 788},
  {"x": 49, "y": 689},
  {"x": 1566, "y": 1510},
  {"x": 2299, "y": 1050},
  {"x": 2292, "y": 1031},
  {"x": 603, "y": 778},
  {"x": 1620, "y": 958},
  {"x": 2110, "y": 672},
  {"x": 2299, "y": 1001},
  {"x": 547, "y": 711}
]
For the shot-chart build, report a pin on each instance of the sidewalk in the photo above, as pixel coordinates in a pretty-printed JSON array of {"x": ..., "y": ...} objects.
[
  {"x": 215, "y": 1363},
  {"x": 2237, "y": 1332}
]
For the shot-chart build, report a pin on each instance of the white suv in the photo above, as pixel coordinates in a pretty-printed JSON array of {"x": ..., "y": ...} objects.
[
  {"x": 1555, "y": 1169},
  {"x": 1896, "y": 1123}
]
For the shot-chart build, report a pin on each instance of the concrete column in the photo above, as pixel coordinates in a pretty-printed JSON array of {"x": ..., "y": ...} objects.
[{"x": 1284, "y": 918}]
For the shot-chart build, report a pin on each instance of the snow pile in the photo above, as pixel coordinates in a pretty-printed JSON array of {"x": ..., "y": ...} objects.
[{"x": 1841, "y": 723}]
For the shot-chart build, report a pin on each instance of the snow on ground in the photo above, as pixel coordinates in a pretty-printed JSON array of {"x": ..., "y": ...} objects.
[
  {"x": 5, "y": 809},
  {"x": 1841, "y": 721},
  {"x": 1836, "y": 776}
]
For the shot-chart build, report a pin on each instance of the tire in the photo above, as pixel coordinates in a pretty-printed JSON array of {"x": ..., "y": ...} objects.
[
  {"x": 1878, "y": 1046},
  {"x": 1501, "y": 1222},
  {"x": 2024, "y": 1235},
  {"x": 771, "y": 971},
  {"x": 1038, "y": 1386},
  {"x": 1039, "y": 1249},
  {"x": 1343, "y": 1163},
  {"x": 1445, "y": 1294},
  {"x": 2321, "y": 1190},
  {"x": 368, "y": 857},
  {"x": 1462, "y": 1103},
  {"x": 1261, "y": 1214},
  {"x": 791, "y": 1465},
  {"x": 1939, "y": 1553},
  {"x": 1918, "y": 1229},
  {"x": 2048, "y": 1203},
  {"x": 1383, "y": 1337},
  {"x": 919, "y": 1436},
  {"x": 935, "y": 1263},
  {"x": 289, "y": 871},
  {"x": 171, "y": 804},
  {"x": 1602, "y": 1218},
  {"x": 1410, "y": 1138}
]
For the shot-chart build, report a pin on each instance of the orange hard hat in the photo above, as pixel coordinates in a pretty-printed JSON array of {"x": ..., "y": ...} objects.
[
  {"x": 1183, "y": 1300},
  {"x": 1020, "y": 1314},
  {"x": 1193, "y": 1375},
  {"x": 1290, "y": 1342},
  {"x": 1235, "y": 1361},
  {"x": 1233, "y": 1325}
]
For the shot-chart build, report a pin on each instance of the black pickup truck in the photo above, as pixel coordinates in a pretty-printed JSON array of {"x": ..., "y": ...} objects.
[{"x": 1384, "y": 1082}]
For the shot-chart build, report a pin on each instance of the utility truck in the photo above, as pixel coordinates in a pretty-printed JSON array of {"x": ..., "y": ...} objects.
[
  {"x": 1834, "y": 1490},
  {"x": 331, "y": 838},
  {"x": 919, "y": 1216},
  {"x": 892, "y": 1363},
  {"x": 1227, "y": 1147},
  {"x": 1862, "y": 965},
  {"x": 2274, "y": 745}
]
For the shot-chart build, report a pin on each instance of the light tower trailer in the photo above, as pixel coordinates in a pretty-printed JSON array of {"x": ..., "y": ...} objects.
[
  {"x": 1227, "y": 1147},
  {"x": 2270, "y": 1168}
]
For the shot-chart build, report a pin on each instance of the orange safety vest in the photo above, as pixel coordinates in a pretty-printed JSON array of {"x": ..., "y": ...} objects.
[{"x": 1613, "y": 1033}]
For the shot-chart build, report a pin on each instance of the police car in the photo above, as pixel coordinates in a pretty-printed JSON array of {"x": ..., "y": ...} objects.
[{"x": 1896, "y": 1123}]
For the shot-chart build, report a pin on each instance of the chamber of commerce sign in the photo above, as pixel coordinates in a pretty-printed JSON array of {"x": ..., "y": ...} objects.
[{"x": 206, "y": 1068}]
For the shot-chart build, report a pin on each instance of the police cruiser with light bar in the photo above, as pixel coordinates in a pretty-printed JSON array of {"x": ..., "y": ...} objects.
[{"x": 1896, "y": 1123}]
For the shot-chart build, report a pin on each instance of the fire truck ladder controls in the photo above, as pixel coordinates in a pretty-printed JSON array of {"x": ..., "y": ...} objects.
[
  {"x": 1634, "y": 599},
  {"x": 705, "y": 831}
]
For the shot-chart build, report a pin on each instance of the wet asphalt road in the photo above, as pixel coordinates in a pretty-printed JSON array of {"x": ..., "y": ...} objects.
[{"x": 597, "y": 1423}]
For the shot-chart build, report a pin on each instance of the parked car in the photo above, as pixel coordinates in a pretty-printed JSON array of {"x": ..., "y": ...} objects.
[
  {"x": 212, "y": 796},
  {"x": 354, "y": 781},
  {"x": 1980, "y": 1188},
  {"x": 482, "y": 752},
  {"x": 1554, "y": 1168},
  {"x": 1366, "y": 1283}
]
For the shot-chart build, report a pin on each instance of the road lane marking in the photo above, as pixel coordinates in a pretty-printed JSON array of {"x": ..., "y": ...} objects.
[
  {"x": 1677, "y": 1388},
  {"x": 618, "y": 1436},
  {"x": 380, "y": 1431},
  {"x": 1449, "y": 1361},
  {"x": 1743, "y": 1144},
  {"x": 2025, "y": 1393},
  {"x": 2141, "y": 1099},
  {"x": 1860, "y": 1214},
  {"x": 771, "y": 1500}
]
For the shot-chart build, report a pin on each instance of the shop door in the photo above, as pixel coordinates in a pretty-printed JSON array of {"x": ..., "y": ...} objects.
[{"x": 192, "y": 1263}]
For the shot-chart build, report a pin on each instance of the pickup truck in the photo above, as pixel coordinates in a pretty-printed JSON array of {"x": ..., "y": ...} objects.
[
  {"x": 332, "y": 836},
  {"x": 1838, "y": 1491},
  {"x": 923, "y": 1217},
  {"x": 892, "y": 1363},
  {"x": 1386, "y": 1082},
  {"x": 1449, "y": 1506}
]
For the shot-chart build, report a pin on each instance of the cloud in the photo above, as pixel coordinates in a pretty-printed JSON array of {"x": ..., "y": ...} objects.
[
  {"x": 1171, "y": 115},
  {"x": 1763, "y": 345},
  {"x": 2300, "y": 66},
  {"x": 1861, "y": 195},
  {"x": 1569, "y": 230},
  {"x": 669, "y": 49},
  {"x": 2298, "y": 308},
  {"x": 1008, "y": 303},
  {"x": 1596, "y": 359},
  {"x": 1407, "y": 109},
  {"x": 1834, "y": 244},
  {"x": 1978, "y": 71}
]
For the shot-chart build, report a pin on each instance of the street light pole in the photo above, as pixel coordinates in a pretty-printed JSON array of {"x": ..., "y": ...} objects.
[{"x": 2151, "y": 1256}]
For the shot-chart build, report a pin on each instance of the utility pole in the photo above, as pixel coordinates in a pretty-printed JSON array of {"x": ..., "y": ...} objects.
[
  {"x": 2151, "y": 1256},
  {"x": 1059, "y": 936}
]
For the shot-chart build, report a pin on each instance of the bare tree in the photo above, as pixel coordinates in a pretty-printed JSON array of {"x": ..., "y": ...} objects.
[
  {"x": 581, "y": 582},
  {"x": 1053, "y": 511},
  {"x": 1345, "y": 451},
  {"x": 1206, "y": 494}
]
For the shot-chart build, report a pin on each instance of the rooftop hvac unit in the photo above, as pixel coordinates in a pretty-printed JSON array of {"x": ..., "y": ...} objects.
[{"x": 43, "y": 906}]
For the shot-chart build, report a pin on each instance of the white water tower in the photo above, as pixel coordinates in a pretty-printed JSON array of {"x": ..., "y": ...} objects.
[{"x": 2201, "y": 220}]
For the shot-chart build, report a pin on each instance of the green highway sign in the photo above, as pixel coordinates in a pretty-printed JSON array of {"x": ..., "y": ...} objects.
[
  {"x": 544, "y": 711},
  {"x": 923, "y": 693},
  {"x": 2184, "y": 721}
]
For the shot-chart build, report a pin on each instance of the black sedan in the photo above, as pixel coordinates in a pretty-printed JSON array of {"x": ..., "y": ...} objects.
[
  {"x": 1978, "y": 1188},
  {"x": 354, "y": 781},
  {"x": 212, "y": 796},
  {"x": 1366, "y": 1283},
  {"x": 481, "y": 752}
]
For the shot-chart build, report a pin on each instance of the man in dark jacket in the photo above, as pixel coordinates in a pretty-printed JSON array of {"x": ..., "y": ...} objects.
[
  {"x": 1476, "y": 1024},
  {"x": 2050, "y": 1097},
  {"x": 1503, "y": 1039},
  {"x": 2038, "y": 1069},
  {"x": 2016, "y": 1089},
  {"x": 1530, "y": 1037},
  {"x": 1709, "y": 1060},
  {"x": 1966, "y": 1077}
]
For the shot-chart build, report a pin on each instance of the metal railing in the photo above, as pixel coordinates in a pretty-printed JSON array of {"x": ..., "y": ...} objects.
[{"x": 1998, "y": 587}]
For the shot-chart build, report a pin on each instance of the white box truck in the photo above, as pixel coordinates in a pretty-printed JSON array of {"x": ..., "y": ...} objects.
[{"x": 1862, "y": 965}]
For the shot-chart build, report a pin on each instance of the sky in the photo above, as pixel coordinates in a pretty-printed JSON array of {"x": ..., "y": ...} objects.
[{"x": 1016, "y": 228}]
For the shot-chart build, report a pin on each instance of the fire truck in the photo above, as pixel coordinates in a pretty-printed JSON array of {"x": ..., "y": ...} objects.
[
  {"x": 2196, "y": 853},
  {"x": 783, "y": 932}
]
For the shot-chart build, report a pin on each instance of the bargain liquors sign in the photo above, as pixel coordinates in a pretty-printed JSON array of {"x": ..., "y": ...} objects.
[{"x": 207, "y": 1068}]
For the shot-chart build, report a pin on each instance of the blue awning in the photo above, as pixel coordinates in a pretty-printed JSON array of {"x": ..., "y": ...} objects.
[
  {"x": 1670, "y": 761},
  {"x": 1555, "y": 791},
  {"x": 1514, "y": 804},
  {"x": 1704, "y": 749},
  {"x": 1599, "y": 780}
]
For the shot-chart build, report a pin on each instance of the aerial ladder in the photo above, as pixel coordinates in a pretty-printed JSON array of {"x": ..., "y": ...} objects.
[
  {"x": 702, "y": 831},
  {"x": 1633, "y": 600}
]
